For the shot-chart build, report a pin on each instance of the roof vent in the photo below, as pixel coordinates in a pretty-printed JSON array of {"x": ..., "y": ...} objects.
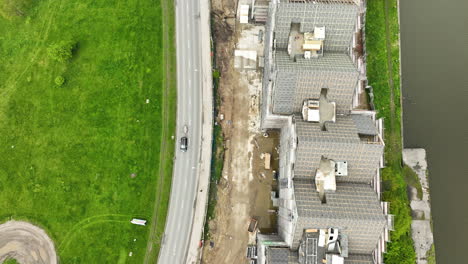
[
  {"x": 319, "y": 110},
  {"x": 319, "y": 33},
  {"x": 341, "y": 168},
  {"x": 310, "y": 110}
]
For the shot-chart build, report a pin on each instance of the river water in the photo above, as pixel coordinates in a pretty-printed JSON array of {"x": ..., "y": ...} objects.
[{"x": 434, "y": 36}]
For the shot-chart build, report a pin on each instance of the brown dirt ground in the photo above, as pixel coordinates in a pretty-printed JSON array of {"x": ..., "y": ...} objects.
[
  {"x": 244, "y": 190},
  {"x": 263, "y": 182},
  {"x": 26, "y": 243}
]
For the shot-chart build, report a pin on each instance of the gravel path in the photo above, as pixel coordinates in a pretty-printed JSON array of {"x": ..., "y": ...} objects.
[{"x": 26, "y": 243}]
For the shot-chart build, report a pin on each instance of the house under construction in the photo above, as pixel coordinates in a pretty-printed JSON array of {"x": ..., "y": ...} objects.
[
  {"x": 310, "y": 46},
  {"x": 329, "y": 207}
]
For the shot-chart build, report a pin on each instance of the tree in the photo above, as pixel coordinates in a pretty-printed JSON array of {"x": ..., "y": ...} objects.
[{"x": 61, "y": 51}]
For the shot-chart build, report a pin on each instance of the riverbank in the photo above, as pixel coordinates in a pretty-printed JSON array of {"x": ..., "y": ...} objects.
[
  {"x": 421, "y": 226},
  {"x": 383, "y": 71}
]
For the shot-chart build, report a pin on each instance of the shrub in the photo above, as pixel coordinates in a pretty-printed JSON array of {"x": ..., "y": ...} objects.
[
  {"x": 10, "y": 261},
  {"x": 61, "y": 51},
  {"x": 412, "y": 179},
  {"x": 401, "y": 252},
  {"x": 216, "y": 74},
  {"x": 59, "y": 80}
]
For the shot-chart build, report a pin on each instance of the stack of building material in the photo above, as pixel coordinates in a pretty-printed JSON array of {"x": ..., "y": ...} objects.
[
  {"x": 260, "y": 11},
  {"x": 244, "y": 14}
]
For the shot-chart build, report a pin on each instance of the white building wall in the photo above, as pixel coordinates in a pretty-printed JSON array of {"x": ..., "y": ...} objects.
[{"x": 287, "y": 213}]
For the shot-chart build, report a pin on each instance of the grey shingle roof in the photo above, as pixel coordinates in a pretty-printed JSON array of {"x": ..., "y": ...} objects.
[
  {"x": 293, "y": 258},
  {"x": 350, "y": 201},
  {"x": 343, "y": 130},
  {"x": 329, "y": 62},
  {"x": 341, "y": 143},
  {"x": 278, "y": 255},
  {"x": 353, "y": 208},
  {"x": 339, "y": 21},
  {"x": 365, "y": 125},
  {"x": 359, "y": 259},
  {"x": 304, "y": 79}
]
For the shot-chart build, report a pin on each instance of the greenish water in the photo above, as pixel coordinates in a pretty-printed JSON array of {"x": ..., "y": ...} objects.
[{"x": 434, "y": 49}]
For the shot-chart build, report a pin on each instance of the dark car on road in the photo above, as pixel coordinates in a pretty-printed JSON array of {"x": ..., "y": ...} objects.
[{"x": 183, "y": 144}]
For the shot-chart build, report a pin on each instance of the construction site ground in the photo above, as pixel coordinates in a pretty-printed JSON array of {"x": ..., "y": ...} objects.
[{"x": 244, "y": 190}]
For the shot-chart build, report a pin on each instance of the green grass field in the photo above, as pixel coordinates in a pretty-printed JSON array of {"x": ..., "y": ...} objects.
[
  {"x": 383, "y": 70},
  {"x": 67, "y": 152}
]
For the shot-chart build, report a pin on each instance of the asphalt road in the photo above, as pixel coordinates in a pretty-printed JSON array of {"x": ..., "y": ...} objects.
[{"x": 189, "y": 112}]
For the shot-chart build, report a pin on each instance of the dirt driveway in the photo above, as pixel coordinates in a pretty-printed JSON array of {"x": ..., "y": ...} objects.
[{"x": 26, "y": 243}]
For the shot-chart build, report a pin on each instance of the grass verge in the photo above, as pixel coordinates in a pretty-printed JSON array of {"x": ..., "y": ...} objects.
[
  {"x": 82, "y": 156},
  {"x": 383, "y": 70},
  {"x": 168, "y": 145}
]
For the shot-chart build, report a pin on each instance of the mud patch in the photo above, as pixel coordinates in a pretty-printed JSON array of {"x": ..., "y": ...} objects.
[{"x": 26, "y": 243}]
